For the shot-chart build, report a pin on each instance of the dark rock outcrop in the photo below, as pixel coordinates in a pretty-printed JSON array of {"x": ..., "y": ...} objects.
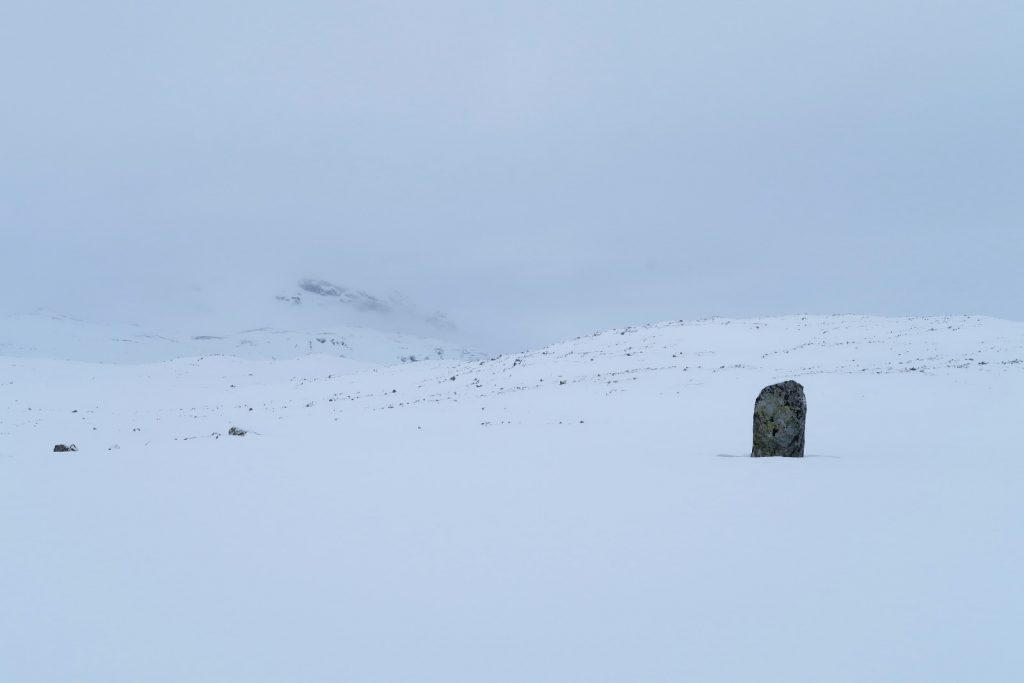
[{"x": 780, "y": 419}]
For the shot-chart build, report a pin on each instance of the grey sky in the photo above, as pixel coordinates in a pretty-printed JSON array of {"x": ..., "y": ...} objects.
[{"x": 536, "y": 169}]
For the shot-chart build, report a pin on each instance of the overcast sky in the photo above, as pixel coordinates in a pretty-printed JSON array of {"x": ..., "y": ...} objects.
[{"x": 536, "y": 169}]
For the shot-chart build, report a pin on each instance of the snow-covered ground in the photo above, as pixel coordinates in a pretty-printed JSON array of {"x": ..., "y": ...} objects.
[{"x": 584, "y": 512}]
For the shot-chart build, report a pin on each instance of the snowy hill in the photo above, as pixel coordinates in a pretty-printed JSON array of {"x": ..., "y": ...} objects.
[
  {"x": 49, "y": 335},
  {"x": 314, "y": 317},
  {"x": 586, "y": 511}
]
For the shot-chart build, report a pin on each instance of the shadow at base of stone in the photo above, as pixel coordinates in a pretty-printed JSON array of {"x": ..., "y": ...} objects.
[{"x": 774, "y": 457}]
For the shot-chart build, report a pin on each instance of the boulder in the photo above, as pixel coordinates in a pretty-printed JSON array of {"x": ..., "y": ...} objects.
[{"x": 780, "y": 419}]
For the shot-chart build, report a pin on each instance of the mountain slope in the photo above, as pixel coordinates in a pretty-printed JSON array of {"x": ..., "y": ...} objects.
[
  {"x": 232, "y": 319},
  {"x": 333, "y": 303},
  {"x": 49, "y": 335}
]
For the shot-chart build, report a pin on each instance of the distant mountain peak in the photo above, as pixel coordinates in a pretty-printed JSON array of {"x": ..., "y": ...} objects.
[
  {"x": 358, "y": 298},
  {"x": 396, "y": 305},
  {"x": 321, "y": 287}
]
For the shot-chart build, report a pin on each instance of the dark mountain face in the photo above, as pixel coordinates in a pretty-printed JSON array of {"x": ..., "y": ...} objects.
[
  {"x": 321, "y": 287},
  {"x": 395, "y": 305},
  {"x": 359, "y": 299}
]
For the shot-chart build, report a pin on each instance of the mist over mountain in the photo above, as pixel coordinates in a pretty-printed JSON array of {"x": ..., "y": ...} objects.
[{"x": 534, "y": 170}]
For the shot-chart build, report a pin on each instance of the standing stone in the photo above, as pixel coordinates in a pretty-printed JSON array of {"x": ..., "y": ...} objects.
[{"x": 780, "y": 416}]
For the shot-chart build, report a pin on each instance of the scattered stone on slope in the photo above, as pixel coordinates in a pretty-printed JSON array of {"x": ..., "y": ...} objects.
[
  {"x": 235, "y": 431},
  {"x": 780, "y": 419},
  {"x": 62, "y": 448}
]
